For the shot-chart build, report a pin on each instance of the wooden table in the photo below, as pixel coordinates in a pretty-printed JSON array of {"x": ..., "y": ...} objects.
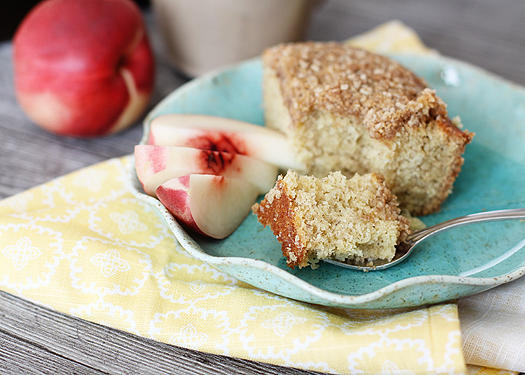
[{"x": 35, "y": 340}]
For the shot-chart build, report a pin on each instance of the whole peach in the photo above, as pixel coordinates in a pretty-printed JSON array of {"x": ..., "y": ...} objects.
[{"x": 83, "y": 68}]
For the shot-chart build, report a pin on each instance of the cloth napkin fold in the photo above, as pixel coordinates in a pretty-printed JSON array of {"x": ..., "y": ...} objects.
[
  {"x": 493, "y": 327},
  {"x": 83, "y": 245}
]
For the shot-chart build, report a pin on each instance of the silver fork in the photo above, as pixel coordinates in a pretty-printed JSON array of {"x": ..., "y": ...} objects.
[{"x": 405, "y": 248}]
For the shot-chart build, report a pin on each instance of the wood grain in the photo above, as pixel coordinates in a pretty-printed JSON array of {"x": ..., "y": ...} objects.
[{"x": 36, "y": 340}]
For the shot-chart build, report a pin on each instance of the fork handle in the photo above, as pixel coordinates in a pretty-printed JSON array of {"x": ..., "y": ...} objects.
[{"x": 420, "y": 235}]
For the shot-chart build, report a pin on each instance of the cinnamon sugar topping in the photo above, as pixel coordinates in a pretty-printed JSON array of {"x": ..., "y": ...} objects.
[{"x": 350, "y": 81}]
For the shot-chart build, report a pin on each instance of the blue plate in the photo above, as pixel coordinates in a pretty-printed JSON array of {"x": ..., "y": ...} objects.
[{"x": 492, "y": 178}]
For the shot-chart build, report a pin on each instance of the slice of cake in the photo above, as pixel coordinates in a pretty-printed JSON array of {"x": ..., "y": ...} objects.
[
  {"x": 333, "y": 217},
  {"x": 349, "y": 110}
]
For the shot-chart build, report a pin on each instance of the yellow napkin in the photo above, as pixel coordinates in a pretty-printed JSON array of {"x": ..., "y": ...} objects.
[
  {"x": 83, "y": 245},
  {"x": 393, "y": 36}
]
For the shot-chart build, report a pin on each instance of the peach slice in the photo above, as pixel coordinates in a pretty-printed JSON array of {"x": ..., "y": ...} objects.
[
  {"x": 223, "y": 134},
  {"x": 208, "y": 204},
  {"x": 157, "y": 164}
]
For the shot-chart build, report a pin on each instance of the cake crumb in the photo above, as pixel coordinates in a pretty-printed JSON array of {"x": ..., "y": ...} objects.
[{"x": 334, "y": 217}]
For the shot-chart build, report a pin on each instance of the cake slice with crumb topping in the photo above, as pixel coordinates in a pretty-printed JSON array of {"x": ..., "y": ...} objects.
[
  {"x": 333, "y": 217},
  {"x": 349, "y": 110}
]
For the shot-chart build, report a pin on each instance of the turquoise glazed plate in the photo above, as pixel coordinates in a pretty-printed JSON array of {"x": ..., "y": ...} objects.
[{"x": 492, "y": 178}]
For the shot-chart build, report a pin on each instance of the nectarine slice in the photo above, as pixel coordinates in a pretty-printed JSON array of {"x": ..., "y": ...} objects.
[
  {"x": 157, "y": 164},
  {"x": 208, "y": 204},
  {"x": 224, "y": 134}
]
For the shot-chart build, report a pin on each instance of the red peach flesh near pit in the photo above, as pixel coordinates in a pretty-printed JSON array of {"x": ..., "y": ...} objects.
[
  {"x": 224, "y": 134},
  {"x": 216, "y": 161},
  {"x": 157, "y": 164},
  {"x": 215, "y": 140}
]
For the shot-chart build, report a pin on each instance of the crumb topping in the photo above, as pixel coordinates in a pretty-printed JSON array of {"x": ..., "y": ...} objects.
[{"x": 351, "y": 81}]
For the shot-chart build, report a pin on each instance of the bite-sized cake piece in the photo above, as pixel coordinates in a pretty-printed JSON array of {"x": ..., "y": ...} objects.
[
  {"x": 349, "y": 110},
  {"x": 333, "y": 217}
]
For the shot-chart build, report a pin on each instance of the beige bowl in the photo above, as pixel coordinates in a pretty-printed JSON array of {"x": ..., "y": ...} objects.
[{"x": 200, "y": 35}]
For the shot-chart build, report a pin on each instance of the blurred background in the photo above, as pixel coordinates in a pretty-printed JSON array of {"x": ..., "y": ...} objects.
[
  {"x": 502, "y": 26},
  {"x": 12, "y": 12}
]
